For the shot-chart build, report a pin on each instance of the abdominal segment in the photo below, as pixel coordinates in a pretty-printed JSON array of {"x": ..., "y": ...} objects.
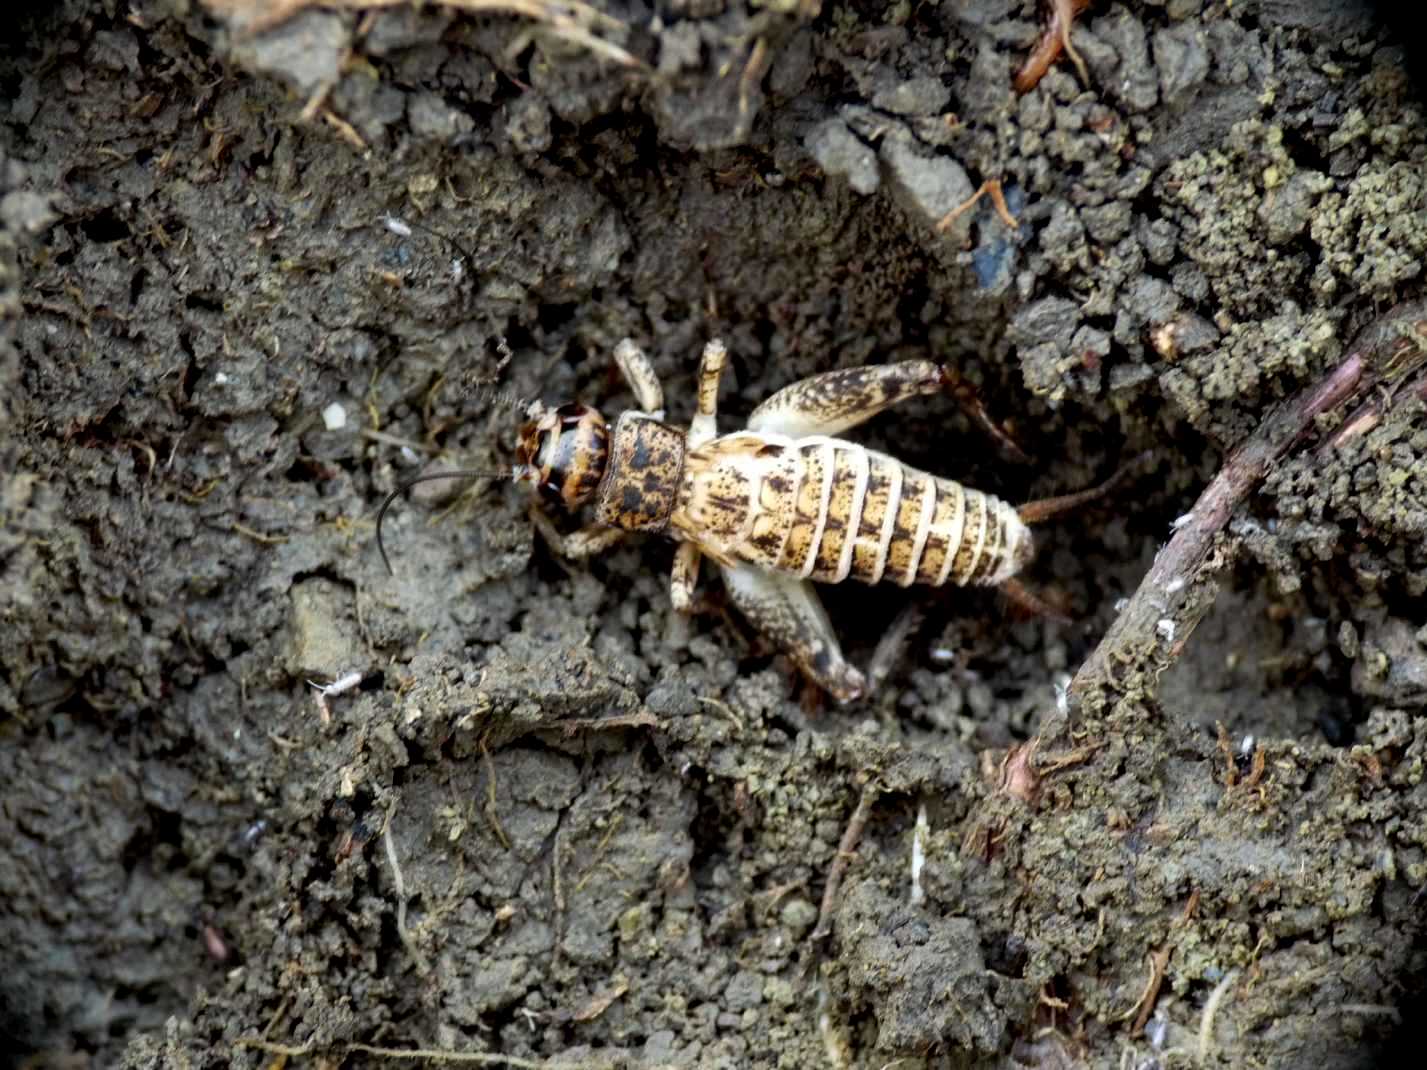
[{"x": 828, "y": 510}]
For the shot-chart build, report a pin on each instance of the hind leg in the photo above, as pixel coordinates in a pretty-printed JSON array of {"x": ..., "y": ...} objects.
[
  {"x": 788, "y": 611},
  {"x": 832, "y": 402}
]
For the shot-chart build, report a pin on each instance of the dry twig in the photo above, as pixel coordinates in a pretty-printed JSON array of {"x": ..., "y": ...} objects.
[
  {"x": 1053, "y": 41},
  {"x": 1161, "y": 606},
  {"x": 1403, "y": 369}
]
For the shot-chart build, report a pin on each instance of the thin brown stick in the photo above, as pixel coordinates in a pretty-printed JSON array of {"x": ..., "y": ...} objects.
[
  {"x": 1405, "y": 363},
  {"x": 439, "y": 1055},
  {"x": 1160, "y": 606},
  {"x": 1159, "y": 962},
  {"x": 1053, "y": 41},
  {"x": 846, "y": 852}
]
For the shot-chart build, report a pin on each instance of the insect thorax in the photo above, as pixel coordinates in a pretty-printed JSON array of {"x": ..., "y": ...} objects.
[{"x": 641, "y": 481}]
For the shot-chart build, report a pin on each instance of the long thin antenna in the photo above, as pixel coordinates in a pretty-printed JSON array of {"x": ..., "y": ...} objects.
[
  {"x": 455, "y": 473},
  {"x": 1017, "y": 592},
  {"x": 1042, "y": 508},
  {"x": 396, "y": 225}
]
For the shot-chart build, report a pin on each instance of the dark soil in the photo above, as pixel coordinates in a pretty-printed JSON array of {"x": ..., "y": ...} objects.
[{"x": 253, "y": 281}]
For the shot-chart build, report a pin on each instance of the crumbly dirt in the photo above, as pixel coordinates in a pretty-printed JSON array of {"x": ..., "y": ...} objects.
[{"x": 251, "y": 281}]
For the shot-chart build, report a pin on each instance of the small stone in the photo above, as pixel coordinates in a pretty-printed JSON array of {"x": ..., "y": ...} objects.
[
  {"x": 1182, "y": 59},
  {"x": 307, "y": 51},
  {"x": 744, "y": 991},
  {"x": 928, "y": 187},
  {"x": 324, "y": 641},
  {"x": 916, "y": 96},
  {"x": 27, "y": 211},
  {"x": 779, "y": 992},
  {"x": 798, "y": 914},
  {"x": 1348, "y": 639},
  {"x": 839, "y": 151},
  {"x": 334, "y": 416}
]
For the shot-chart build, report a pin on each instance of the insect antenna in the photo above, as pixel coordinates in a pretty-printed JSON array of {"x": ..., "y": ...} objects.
[
  {"x": 1044, "y": 508},
  {"x": 454, "y": 473},
  {"x": 397, "y": 225},
  {"x": 1018, "y": 594}
]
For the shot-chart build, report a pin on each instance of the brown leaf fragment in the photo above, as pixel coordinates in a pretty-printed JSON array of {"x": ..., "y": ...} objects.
[{"x": 600, "y": 1001}]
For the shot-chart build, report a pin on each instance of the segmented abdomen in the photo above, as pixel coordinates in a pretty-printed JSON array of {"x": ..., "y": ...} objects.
[{"x": 828, "y": 510}]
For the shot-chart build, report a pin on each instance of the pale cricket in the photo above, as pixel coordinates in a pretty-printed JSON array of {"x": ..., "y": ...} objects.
[{"x": 777, "y": 506}]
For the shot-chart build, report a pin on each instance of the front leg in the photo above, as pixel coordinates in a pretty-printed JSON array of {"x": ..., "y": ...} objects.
[
  {"x": 787, "y": 611},
  {"x": 578, "y": 545},
  {"x": 830, "y": 403},
  {"x": 639, "y": 373}
]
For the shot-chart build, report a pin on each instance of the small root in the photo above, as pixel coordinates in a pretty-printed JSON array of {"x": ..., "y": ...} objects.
[
  {"x": 257, "y": 536},
  {"x": 437, "y": 1055},
  {"x": 846, "y": 852},
  {"x": 1054, "y": 40},
  {"x": 347, "y": 131},
  {"x": 1159, "y": 962},
  {"x": 570, "y": 20},
  {"x": 399, "y": 885},
  {"x": 752, "y": 74},
  {"x": 991, "y": 187},
  {"x": 1211, "y": 1008},
  {"x": 492, "y": 808}
]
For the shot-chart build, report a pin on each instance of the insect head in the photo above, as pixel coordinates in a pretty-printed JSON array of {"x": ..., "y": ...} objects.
[{"x": 563, "y": 452}]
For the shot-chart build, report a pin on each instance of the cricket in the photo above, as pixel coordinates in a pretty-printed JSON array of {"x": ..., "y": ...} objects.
[{"x": 778, "y": 506}]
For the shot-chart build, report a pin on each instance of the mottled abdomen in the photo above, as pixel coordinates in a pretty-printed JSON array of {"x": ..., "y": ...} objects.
[{"x": 828, "y": 510}]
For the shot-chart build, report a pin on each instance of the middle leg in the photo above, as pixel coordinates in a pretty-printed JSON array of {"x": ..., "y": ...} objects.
[
  {"x": 685, "y": 576},
  {"x": 577, "y": 545}
]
